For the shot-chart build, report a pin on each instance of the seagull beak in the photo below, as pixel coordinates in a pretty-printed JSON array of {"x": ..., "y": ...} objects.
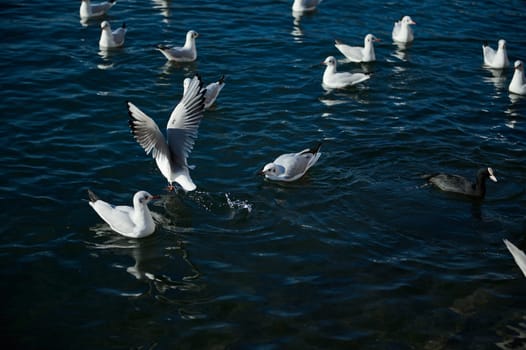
[
  {"x": 377, "y": 40},
  {"x": 155, "y": 197}
]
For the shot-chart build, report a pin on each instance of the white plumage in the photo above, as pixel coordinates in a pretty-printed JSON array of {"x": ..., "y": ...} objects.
[
  {"x": 133, "y": 222},
  {"x": 186, "y": 53},
  {"x": 291, "y": 166},
  {"x": 111, "y": 39},
  {"x": 336, "y": 80},
  {"x": 402, "y": 31},
  {"x": 357, "y": 53},
  {"x": 171, "y": 154}
]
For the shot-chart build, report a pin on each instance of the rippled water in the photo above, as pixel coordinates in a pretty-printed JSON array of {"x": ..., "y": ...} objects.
[{"x": 357, "y": 254}]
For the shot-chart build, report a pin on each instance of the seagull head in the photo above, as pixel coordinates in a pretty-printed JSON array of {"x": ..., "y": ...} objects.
[
  {"x": 370, "y": 38},
  {"x": 502, "y": 44},
  {"x": 518, "y": 65},
  {"x": 269, "y": 170},
  {"x": 192, "y": 34},
  {"x": 330, "y": 61},
  {"x": 104, "y": 25},
  {"x": 143, "y": 198},
  {"x": 407, "y": 20}
]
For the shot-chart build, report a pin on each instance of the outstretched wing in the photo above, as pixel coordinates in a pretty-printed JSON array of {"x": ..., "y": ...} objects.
[
  {"x": 147, "y": 134},
  {"x": 184, "y": 121}
]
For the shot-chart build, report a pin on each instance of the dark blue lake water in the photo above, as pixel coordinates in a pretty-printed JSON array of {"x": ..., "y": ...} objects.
[{"x": 358, "y": 254}]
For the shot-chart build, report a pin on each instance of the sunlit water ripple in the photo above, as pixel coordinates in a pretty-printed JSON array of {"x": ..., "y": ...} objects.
[{"x": 357, "y": 254}]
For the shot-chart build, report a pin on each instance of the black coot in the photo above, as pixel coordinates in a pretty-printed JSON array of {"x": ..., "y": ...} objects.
[{"x": 459, "y": 184}]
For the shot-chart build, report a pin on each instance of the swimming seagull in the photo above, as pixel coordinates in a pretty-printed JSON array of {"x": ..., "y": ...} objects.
[
  {"x": 187, "y": 53},
  {"x": 518, "y": 255},
  {"x": 109, "y": 39},
  {"x": 461, "y": 185},
  {"x": 495, "y": 59},
  {"x": 171, "y": 154},
  {"x": 335, "y": 80},
  {"x": 357, "y": 53},
  {"x": 291, "y": 166},
  {"x": 402, "y": 32},
  {"x": 305, "y": 5},
  {"x": 133, "y": 222},
  {"x": 518, "y": 82},
  {"x": 89, "y": 10}
]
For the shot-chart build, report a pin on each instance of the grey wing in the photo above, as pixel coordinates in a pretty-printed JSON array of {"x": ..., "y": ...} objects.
[
  {"x": 295, "y": 164},
  {"x": 147, "y": 133},
  {"x": 186, "y": 118},
  {"x": 119, "y": 35},
  {"x": 353, "y": 53}
]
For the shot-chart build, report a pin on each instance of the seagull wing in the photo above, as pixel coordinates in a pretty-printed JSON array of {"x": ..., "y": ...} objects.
[
  {"x": 184, "y": 121},
  {"x": 353, "y": 53},
  {"x": 148, "y": 135},
  {"x": 518, "y": 256}
]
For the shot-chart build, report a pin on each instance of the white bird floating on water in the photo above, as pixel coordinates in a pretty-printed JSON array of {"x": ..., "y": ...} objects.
[
  {"x": 111, "y": 39},
  {"x": 402, "y": 32},
  {"x": 187, "y": 53},
  {"x": 133, "y": 222},
  {"x": 518, "y": 255},
  {"x": 305, "y": 5},
  {"x": 357, "y": 53},
  {"x": 495, "y": 59},
  {"x": 518, "y": 82},
  {"x": 291, "y": 166},
  {"x": 212, "y": 90},
  {"x": 171, "y": 154},
  {"x": 335, "y": 80},
  {"x": 89, "y": 10}
]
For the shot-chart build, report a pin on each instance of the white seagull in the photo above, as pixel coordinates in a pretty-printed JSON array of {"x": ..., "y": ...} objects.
[
  {"x": 133, "y": 222},
  {"x": 335, "y": 80},
  {"x": 291, "y": 166},
  {"x": 171, "y": 154},
  {"x": 495, "y": 59},
  {"x": 357, "y": 53},
  {"x": 518, "y": 82},
  {"x": 109, "y": 39},
  {"x": 89, "y": 10},
  {"x": 402, "y": 32},
  {"x": 212, "y": 90},
  {"x": 518, "y": 255},
  {"x": 305, "y": 5},
  {"x": 187, "y": 53}
]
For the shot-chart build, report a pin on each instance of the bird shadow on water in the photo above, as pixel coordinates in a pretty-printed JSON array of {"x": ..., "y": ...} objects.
[{"x": 155, "y": 262}]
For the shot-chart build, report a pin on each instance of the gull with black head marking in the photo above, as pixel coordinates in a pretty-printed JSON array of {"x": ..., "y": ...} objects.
[
  {"x": 291, "y": 166},
  {"x": 171, "y": 154}
]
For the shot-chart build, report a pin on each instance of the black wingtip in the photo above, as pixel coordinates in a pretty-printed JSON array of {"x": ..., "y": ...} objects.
[
  {"x": 92, "y": 196},
  {"x": 315, "y": 150},
  {"x": 112, "y": 1},
  {"x": 124, "y": 25},
  {"x": 222, "y": 79},
  {"x": 485, "y": 43}
]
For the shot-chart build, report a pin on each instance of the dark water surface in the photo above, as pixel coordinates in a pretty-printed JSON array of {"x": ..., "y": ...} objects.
[{"x": 356, "y": 255}]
